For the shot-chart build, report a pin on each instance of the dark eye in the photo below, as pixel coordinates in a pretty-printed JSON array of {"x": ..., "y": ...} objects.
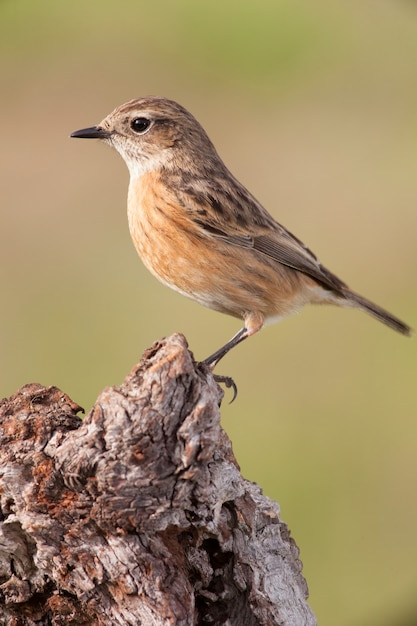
[{"x": 140, "y": 124}]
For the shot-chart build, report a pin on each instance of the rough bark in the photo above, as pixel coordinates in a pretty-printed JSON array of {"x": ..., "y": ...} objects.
[{"x": 138, "y": 514}]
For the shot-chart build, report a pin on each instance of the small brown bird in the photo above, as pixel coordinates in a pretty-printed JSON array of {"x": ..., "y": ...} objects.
[{"x": 202, "y": 233}]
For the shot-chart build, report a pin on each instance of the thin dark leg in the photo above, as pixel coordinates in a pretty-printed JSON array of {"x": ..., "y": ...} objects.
[{"x": 212, "y": 360}]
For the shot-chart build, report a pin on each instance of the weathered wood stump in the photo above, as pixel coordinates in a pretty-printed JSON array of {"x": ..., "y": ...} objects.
[{"x": 138, "y": 514}]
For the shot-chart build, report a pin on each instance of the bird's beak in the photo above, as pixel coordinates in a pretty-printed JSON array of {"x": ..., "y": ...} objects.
[{"x": 94, "y": 132}]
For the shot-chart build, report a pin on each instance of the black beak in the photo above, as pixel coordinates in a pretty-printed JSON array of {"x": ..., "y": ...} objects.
[{"x": 94, "y": 132}]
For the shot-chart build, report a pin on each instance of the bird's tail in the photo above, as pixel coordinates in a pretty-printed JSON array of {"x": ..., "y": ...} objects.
[{"x": 354, "y": 299}]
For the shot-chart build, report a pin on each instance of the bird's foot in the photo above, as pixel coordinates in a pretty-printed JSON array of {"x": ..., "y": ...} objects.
[
  {"x": 219, "y": 379},
  {"x": 229, "y": 382}
]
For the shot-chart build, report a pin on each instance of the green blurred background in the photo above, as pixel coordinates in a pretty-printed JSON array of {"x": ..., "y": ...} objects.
[{"x": 313, "y": 106}]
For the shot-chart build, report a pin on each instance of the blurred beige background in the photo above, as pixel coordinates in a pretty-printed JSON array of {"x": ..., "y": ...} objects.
[{"x": 313, "y": 106}]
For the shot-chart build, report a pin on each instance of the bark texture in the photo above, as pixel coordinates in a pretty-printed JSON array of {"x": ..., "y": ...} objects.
[{"x": 138, "y": 514}]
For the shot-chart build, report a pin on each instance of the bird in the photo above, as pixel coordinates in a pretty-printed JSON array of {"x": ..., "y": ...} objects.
[{"x": 202, "y": 233}]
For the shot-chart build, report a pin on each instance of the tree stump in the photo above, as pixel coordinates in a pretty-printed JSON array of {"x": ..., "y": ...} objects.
[{"x": 138, "y": 514}]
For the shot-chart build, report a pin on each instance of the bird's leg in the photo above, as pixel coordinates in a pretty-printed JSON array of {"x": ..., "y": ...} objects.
[
  {"x": 212, "y": 360},
  {"x": 253, "y": 322}
]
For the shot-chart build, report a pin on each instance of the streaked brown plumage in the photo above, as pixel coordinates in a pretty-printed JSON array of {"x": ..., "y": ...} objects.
[{"x": 202, "y": 233}]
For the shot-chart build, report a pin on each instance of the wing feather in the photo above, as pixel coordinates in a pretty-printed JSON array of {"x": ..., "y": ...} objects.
[{"x": 281, "y": 246}]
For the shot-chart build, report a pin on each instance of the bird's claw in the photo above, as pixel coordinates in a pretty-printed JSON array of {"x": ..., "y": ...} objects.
[{"x": 229, "y": 382}]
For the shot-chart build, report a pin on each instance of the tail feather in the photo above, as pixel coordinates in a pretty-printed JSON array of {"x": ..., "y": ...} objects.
[{"x": 378, "y": 312}]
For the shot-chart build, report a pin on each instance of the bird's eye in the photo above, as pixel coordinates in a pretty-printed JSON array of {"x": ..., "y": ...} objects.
[{"x": 140, "y": 124}]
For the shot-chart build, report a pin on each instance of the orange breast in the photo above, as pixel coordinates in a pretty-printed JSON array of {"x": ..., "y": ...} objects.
[
  {"x": 167, "y": 241},
  {"x": 183, "y": 256}
]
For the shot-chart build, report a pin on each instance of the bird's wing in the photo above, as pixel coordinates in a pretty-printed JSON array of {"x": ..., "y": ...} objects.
[
  {"x": 280, "y": 245},
  {"x": 230, "y": 213}
]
